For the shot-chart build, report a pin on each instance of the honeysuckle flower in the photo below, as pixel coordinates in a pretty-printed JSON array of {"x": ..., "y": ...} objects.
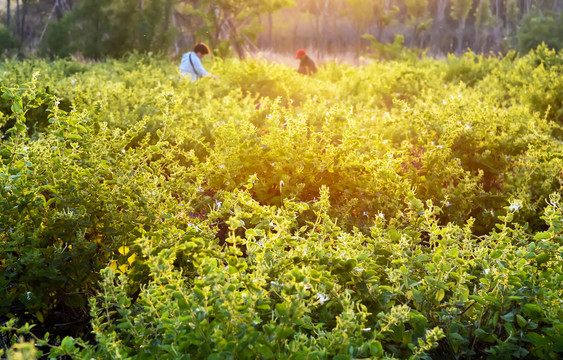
[
  {"x": 322, "y": 298},
  {"x": 515, "y": 207}
]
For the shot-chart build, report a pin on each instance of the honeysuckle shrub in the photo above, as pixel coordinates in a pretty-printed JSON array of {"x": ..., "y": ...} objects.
[
  {"x": 70, "y": 199},
  {"x": 453, "y": 129},
  {"x": 399, "y": 209},
  {"x": 281, "y": 290}
]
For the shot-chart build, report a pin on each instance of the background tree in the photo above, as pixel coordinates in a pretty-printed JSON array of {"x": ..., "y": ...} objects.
[
  {"x": 361, "y": 13},
  {"x": 511, "y": 13},
  {"x": 537, "y": 28},
  {"x": 460, "y": 11},
  {"x": 233, "y": 22},
  {"x": 8, "y": 5},
  {"x": 484, "y": 20},
  {"x": 439, "y": 31},
  {"x": 383, "y": 15},
  {"x": 100, "y": 28},
  {"x": 418, "y": 18},
  {"x": 103, "y": 28}
]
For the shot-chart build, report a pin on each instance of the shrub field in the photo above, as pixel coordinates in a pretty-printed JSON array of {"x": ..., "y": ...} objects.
[{"x": 400, "y": 210}]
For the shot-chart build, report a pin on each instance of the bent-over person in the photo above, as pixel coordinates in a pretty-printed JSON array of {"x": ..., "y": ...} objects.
[{"x": 306, "y": 65}]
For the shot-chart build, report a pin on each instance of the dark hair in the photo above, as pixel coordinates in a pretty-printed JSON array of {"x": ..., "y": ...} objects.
[{"x": 201, "y": 48}]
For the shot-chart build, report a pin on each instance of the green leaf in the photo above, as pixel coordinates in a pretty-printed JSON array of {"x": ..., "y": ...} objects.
[
  {"x": 478, "y": 299},
  {"x": 532, "y": 311},
  {"x": 375, "y": 348},
  {"x": 17, "y": 108},
  {"x": 542, "y": 235},
  {"x": 124, "y": 325},
  {"x": 542, "y": 258},
  {"x": 8, "y": 95},
  {"x": 394, "y": 235},
  {"x": 67, "y": 344},
  {"x": 537, "y": 339},
  {"x": 74, "y": 137},
  {"x": 521, "y": 321},
  {"x": 198, "y": 293},
  {"x": 440, "y": 294}
]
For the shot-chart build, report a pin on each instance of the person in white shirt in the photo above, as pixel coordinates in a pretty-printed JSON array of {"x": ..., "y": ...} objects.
[{"x": 191, "y": 62}]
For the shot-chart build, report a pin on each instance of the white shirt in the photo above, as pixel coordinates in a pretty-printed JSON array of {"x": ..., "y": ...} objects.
[{"x": 197, "y": 70}]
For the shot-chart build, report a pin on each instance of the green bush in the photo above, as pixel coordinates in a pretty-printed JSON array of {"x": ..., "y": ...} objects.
[
  {"x": 401, "y": 209},
  {"x": 71, "y": 199},
  {"x": 537, "y": 29},
  {"x": 8, "y": 43}
]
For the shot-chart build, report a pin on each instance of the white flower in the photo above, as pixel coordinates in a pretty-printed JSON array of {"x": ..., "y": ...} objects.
[
  {"x": 515, "y": 207},
  {"x": 322, "y": 298}
]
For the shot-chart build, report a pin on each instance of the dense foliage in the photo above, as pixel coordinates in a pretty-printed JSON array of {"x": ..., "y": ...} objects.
[
  {"x": 101, "y": 28},
  {"x": 401, "y": 209}
]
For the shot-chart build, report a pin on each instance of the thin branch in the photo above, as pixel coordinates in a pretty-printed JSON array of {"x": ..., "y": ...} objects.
[{"x": 48, "y": 20}]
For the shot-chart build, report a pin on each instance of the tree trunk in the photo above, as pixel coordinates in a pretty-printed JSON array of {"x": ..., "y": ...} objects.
[
  {"x": 234, "y": 38},
  {"x": 317, "y": 30},
  {"x": 496, "y": 38},
  {"x": 414, "y": 34},
  {"x": 8, "y": 15},
  {"x": 439, "y": 26},
  {"x": 24, "y": 19},
  {"x": 167, "y": 14},
  {"x": 293, "y": 41},
  {"x": 18, "y": 30},
  {"x": 62, "y": 6},
  {"x": 48, "y": 20},
  {"x": 497, "y": 6},
  {"x": 460, "y": 33},
  {"x": 270, "y": 27},
  {"x": 324, "y": 31}
]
